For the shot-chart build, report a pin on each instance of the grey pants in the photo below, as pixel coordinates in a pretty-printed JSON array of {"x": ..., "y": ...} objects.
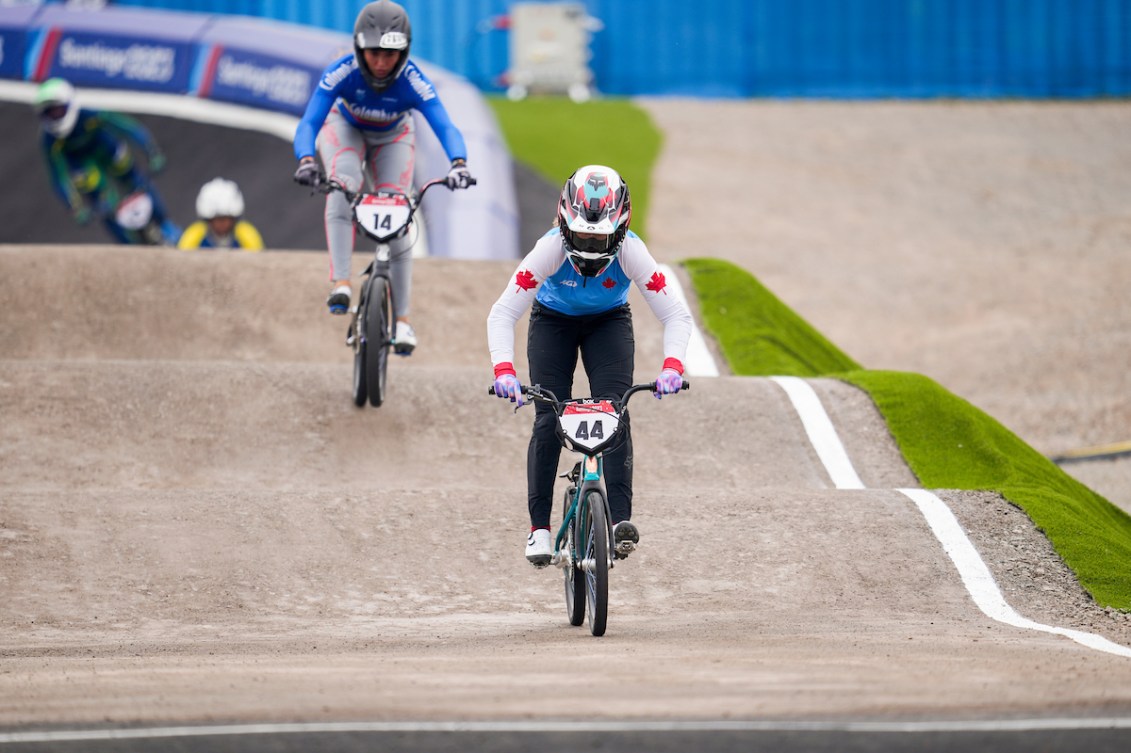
[{"x": 388, "y": 159}]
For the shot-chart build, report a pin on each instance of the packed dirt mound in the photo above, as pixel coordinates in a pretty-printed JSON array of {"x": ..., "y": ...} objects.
[{"x": 197, "y": 524}]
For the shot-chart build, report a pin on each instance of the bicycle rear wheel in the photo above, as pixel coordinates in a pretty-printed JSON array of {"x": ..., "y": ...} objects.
[
  {"x": 574, "y": 577},
  {"x": 360, "y": 352},
  {"x": 377, "y": 320},
  {"x": 595, "y": 560}
]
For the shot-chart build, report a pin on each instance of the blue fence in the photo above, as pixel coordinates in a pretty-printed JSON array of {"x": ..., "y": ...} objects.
[{"x": 782, "y": 48}]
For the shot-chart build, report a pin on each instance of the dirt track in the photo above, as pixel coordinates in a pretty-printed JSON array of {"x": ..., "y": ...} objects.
[{"x": 195, "y": 523}]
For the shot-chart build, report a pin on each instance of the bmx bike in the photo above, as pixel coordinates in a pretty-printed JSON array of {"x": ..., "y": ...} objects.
[
  {"x": 584, "y": 548},
  {"x": 383, "y": 216}
]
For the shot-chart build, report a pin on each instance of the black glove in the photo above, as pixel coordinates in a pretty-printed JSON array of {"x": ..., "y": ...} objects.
[
  {"x": 459, "y": 176},
  {"x": 309, "y": 174}
]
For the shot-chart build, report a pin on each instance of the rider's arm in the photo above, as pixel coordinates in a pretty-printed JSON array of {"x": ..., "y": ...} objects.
[
  {"x": 193, "y": 236},
  {"x": 60, "y": 175},
  {"x": 542, "y": 261},
  {"x": 248, "y": 236},
  {"x": 429, "y": 105},
  {"x": 638, "y": 264},
  {"x": 319, "y": 104},
  {"x": 124, "y": 125}
]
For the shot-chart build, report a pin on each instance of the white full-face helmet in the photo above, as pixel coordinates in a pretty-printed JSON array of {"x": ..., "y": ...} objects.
[
  {"x": 56, "y": 107},
  {"x": 219, "y": 197},
  {"x": 593, "y": 215}
]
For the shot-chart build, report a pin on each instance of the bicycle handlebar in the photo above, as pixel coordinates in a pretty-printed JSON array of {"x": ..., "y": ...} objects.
[
  {"x": 538, "y": 394},
  {"x": 333, "y": 184}
]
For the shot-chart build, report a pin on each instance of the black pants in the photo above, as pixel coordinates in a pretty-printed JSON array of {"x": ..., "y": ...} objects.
[{"x": 607, "y": 349}]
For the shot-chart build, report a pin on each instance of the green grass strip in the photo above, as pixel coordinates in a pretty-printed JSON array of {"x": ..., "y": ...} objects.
[
  {"x": 555, "y": 136},
  {"x": 759, "y": 334},
  {"x": 947, "y": 442}
]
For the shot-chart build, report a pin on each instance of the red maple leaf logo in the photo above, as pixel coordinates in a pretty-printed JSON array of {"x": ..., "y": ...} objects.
[
  {"x": 657, "y": 283},
  {"x": 609, "y": 282},
  {"x": 525, "y": 280}
]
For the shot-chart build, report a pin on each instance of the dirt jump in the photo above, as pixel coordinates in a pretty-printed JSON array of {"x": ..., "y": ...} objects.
[{"x": 196, "y": 524}]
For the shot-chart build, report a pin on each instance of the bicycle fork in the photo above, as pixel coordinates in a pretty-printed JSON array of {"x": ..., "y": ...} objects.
[
  {"x": 586, "y": 476},
  {"x": 379, "y": 267}
]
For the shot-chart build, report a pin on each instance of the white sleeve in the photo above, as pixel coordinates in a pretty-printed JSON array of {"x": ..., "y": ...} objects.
[
  {"x": 542, "y": 261},
  {"x": 641, "y": 268}
]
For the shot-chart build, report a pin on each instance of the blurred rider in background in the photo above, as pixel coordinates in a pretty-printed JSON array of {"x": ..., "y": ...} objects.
[
  {"x": 220, "y": 223},
  {"x": 87, "y": 149},
  {"x": 359, "y": 118},
  {"x": 575, "y": 281}
]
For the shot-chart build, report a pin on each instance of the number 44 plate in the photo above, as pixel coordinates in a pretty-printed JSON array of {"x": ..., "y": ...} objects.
[{"x": 589, "y": 423}]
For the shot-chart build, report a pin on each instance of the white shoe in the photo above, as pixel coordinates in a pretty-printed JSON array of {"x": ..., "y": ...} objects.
[
  {"x": 405, "y": 339},
  {"x": 339, "y": 300},
  {"x": 538, "y": 547}
]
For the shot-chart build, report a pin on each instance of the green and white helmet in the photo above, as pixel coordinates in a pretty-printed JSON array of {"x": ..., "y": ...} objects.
[
  {"x": 382, "y": 25},
  {"x": 55, "y": 105}
]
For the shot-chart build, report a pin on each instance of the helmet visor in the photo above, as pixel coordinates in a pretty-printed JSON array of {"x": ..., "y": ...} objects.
[
  {"x": 590, "y": 243},
  {"x": 53, "y": 112}
]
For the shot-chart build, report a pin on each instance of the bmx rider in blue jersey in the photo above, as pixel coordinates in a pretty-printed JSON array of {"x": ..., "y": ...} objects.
[{"x": 358, "y": 123}]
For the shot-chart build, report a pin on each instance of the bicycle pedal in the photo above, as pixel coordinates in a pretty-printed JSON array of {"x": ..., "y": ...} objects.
[
  {"x": 624, "y": 548},
  {"x": 539, "y": 563}
]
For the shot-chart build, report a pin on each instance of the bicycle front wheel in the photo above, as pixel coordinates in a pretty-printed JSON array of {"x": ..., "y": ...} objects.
[
  {"x": 595, "y": 560},
  {"x": 574, "y": 576},
  {"x": 377, "y": 321},
  {"x": 360, "y": 352}
]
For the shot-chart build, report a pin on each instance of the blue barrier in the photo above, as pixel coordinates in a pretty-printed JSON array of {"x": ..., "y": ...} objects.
[{"x": 783, "y": 48}]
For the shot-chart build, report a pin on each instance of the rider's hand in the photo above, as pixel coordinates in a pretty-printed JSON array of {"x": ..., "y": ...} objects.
[
  {"x": 668, "y": 382},
  {"x": 459, "y": 176},
  {"x": 157, "y": 162},
  {"x": 82, "y": 214},
  {"x": 507, "y": 385},
  {"x": 308, "y": 173}
]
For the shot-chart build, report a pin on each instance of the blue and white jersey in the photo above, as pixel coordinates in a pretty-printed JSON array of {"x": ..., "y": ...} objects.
[
  {"x": 547, "y": 276},
  {"x": 343, "y": 86}
]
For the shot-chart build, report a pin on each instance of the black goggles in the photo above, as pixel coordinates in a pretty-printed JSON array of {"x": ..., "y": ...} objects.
[
  {"x": 598, "y": 245},
  {"x": 53, "y": 112}
]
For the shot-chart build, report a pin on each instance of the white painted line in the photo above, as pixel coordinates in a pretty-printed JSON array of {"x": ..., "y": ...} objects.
[
  {"x": 980, "y": 583},
  {"x": 981, "y": 725},
  {"x": 972, "y": 569},
  {"x": 699, "y": 360},
  {"x": 822, "y": 433}
]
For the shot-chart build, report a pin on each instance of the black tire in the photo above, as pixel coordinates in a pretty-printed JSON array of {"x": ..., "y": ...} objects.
[
  {"x": 574, "y": 577},
  {"x": 596, "y": 552},
  {"x": 360, "y": 387},
  {"x": 377, "y": 321}
]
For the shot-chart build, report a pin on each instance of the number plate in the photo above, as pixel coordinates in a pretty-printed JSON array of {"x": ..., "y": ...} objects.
[
  {"x": 590, "y": 423},
  {"x": 382, "y": 215}
]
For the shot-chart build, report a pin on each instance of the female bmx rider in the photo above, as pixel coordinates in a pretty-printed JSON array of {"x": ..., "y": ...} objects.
[
  {"x": 360, "y": 115},
  {"x": 575, "y": 281}
]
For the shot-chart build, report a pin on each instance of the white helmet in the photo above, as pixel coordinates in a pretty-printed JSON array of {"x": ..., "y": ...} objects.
[
  {"x": 55, "y": 105},
  {"x": 219, "y": 198}
]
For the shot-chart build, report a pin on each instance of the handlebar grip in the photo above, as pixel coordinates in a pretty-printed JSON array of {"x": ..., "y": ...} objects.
[
  {"x": 523, "y": 389},
  {"x": 686, "y": 385}
]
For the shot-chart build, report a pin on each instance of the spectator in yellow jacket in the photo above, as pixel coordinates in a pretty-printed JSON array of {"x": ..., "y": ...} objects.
[{"x": 220, "y": 206}]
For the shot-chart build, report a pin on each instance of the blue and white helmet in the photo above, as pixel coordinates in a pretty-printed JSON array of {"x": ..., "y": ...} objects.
[{"x": 593, "y": 216}]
